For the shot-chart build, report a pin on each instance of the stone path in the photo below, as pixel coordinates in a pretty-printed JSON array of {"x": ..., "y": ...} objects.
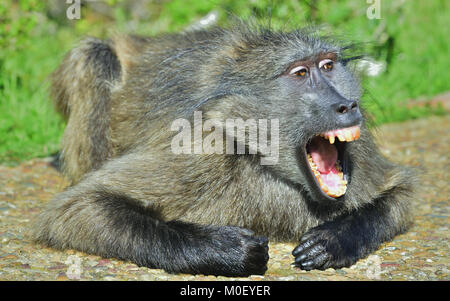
[{"x": 420, "y": 254}]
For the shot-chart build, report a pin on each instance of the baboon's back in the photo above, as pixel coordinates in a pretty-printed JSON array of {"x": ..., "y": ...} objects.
[{"x": 83, "y": 86}]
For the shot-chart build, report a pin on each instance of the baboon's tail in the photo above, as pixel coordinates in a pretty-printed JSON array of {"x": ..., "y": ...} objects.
[
  {"x": 85, "y": 76},
  {"x": 81, "y": 89}
]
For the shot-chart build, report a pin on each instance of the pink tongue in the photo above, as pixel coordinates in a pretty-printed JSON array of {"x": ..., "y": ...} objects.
[{"x": 323, "y": 154}]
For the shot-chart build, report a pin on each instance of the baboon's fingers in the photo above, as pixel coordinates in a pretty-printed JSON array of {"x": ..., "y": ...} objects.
[
  {"x": 312, "y": 252},
  {"x": 315, "y": 257}
]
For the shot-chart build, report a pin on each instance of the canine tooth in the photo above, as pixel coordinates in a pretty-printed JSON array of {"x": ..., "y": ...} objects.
[{"x": 331, "y": 138}]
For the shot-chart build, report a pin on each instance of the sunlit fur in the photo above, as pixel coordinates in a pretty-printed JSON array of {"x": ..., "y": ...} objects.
[{"x": 133, "y": 199}]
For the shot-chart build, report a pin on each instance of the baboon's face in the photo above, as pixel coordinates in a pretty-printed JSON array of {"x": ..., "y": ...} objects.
[
  {"x": 317, "y": 102},
  {"x": 329, "y": 118}
]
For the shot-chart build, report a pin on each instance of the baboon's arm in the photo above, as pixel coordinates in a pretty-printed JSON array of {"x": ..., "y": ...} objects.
[
  {"x": 341, "y": 242},
  {"x": 94, "y": 218}
]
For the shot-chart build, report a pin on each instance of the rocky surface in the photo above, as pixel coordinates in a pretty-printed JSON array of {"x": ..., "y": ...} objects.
[{"x": 420, "y": 254}]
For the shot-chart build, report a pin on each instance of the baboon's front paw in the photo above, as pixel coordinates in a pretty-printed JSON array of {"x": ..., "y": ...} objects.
[
  {"x": 320, "y": 249},
  {"x": 248, "y": 253},
  {"x": 256, "y": 255}
]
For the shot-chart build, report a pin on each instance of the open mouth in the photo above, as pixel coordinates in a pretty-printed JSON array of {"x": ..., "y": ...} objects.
[{"x": 327, "y": 161}]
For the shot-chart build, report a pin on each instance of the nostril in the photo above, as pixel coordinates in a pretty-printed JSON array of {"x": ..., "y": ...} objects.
[
  {"x": 342, "y": 109},
  {"x": 345, "y": 108}
]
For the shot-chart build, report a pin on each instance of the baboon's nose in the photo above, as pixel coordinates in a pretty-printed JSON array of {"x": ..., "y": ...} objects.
[
  {"x": 344, "y": 108},
  {"x": 347, "y": 112}
]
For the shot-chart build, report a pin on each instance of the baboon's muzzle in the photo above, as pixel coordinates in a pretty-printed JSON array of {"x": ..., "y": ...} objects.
[{"x": 324, "y": 158}]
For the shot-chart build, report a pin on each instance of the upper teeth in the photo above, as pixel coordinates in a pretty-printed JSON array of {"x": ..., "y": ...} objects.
[{"x": 347, "y": 134}]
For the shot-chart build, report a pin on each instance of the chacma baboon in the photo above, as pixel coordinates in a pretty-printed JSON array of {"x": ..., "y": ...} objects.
[{"x": 133, "y": 198}]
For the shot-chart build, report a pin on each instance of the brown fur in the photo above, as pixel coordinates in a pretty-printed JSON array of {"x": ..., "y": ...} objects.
[{"x": 120, "y": 97}]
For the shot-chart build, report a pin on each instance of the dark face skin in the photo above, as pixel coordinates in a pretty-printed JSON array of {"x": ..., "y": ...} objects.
[
  {"x": 316, "y": 85},
  {"x": 316, "y": 81}
]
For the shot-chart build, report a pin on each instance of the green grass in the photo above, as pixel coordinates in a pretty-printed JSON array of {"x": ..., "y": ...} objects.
[
  {"x": 28, "y": 125},
  {"x": 32, "y": 44},
  {"x": 419, "y": 64}
]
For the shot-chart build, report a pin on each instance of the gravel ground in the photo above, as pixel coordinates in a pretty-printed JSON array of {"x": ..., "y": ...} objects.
[{"x": 420, "y": 254}]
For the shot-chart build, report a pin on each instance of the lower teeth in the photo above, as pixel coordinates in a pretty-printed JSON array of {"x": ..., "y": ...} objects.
[{"x": 333, "y": 193}]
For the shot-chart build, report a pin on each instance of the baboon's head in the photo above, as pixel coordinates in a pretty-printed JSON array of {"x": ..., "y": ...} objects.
[{"x": 303, "y": 81}]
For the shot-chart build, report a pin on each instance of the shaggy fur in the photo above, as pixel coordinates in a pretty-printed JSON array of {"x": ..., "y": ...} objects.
[{"x": 133, "y": 198}]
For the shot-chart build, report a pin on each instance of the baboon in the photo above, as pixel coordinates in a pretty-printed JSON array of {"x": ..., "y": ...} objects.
[{"x": 132, "y": 198}]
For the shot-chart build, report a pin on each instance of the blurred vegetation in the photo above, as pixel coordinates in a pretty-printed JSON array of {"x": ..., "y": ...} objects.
[{"x": 411, "y": 38}]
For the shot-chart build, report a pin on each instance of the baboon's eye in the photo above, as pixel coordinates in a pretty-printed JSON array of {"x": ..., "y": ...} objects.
[
  {"x": 326, "y": 64},
  {"x": 299, "y": 71}
]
